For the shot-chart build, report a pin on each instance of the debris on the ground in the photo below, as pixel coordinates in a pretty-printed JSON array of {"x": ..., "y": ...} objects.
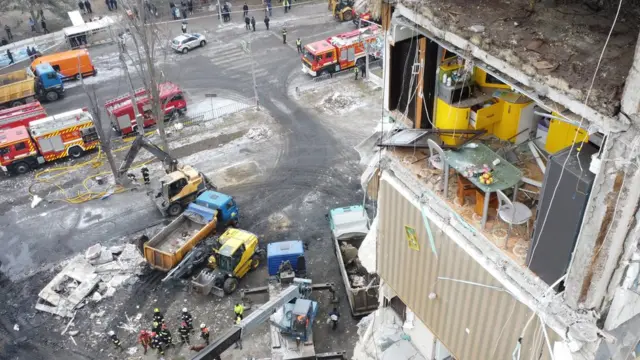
[
  {"x": 381, "y": 336},
  {"x": 132, "y": 350},
  {"x": 338, "y": 102},
  {"x": 349, "y": 252},
  {"x": 16, "y": 327},
  {"x": 258, "y": 133},
  {"x": 96, "y": 270},
  {"x": 98, "y": 314},
  {"x": 476, "y": 28},
  {"x": 73, "y": 332},
  {"x": 36, "y": 200}
]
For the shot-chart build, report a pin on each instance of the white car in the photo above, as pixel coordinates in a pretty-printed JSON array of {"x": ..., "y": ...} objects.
[{"x": 186, "y": 42}]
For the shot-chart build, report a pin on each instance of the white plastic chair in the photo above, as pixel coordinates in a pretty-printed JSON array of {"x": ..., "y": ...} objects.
[
  {"x": 438, "y": 161},
  {"x": 513, "y": 212}
]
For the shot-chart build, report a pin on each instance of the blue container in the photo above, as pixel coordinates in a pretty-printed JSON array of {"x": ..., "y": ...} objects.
[{"x": 279, "y": 252}]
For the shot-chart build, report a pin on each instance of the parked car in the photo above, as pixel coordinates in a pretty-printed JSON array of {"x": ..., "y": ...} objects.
[{"x": 185, "y": 42}]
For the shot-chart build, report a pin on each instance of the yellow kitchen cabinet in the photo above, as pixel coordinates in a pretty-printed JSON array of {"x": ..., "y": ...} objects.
[
  {"x": 485, "y": 116},
  {"x": 517, "y": 118},
  {"x": 562, "y": 134},
  {"x": 449, "y": 117}
]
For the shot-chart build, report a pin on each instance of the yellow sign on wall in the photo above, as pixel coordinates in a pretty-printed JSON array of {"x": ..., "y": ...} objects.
[{"x": 412, "y": 238}]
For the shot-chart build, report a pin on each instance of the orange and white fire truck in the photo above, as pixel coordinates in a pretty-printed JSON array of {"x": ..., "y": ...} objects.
[
  {"x": 339, "y": 52},
  {"x": 68, "y": 134},
  {"x": 21, "y": 115}
]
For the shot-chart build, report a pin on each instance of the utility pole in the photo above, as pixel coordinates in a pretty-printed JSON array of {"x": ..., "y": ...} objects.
[
  {"x": 247, "y": 49},
  {"x": 219, "y": 13}
]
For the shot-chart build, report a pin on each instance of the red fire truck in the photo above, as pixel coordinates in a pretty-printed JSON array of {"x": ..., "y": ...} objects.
[
  {"x": 68, "y": 134},
  {"x": 21, "y": 115},
  {"x": 121, "y": 112},
  {"x": 339, "y": 52}
]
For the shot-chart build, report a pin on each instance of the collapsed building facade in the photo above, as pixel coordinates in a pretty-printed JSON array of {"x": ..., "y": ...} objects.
[{"x": 546, "y": 103}]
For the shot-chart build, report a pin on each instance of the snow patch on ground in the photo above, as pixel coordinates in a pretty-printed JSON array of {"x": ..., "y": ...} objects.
[{"x": 258, "y": 133}]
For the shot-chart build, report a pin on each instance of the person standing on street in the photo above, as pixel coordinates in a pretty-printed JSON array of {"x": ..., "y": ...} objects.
[
  {"x": 4, "y": 42},
  {"x": 87, "y": 5},
  {"x": 7, "y": 29},
  {"x": 44, "y": 26},
  {"x": 10, "y": 56},
  {"x": 114, "y": 4},
  {"x": 253, "y": 23},
  {"x": 247, "y": 23},
  {"x": 355, "y": 71},
  {"x": 286, "y": 6},
  {"x": 156, "y": 343},
  {"x": 81, "y": 6},
  {"x": 266, "y": 22},
  {"x": 334, "y": 315},
  {"x": 239, "y": 342},
  {"x": 108, "y": 2},
  {"x": 32, "y": 24},
  {"x": 190, "y": 6},
  {"x": 284, "y": 35},
  {"x": 184, "y": 27},
  {"x": 165, "y": 336},
  {"x": 204, "y": 333},
  {"x": 184, "y": 333},
  {"x": 245, "y": 9},
  {"x": 299, "y": 45},
  {"x": 187, "y": 318},
  {"x": 238, "y": 310},
  {"x": 115, "y": 340},
  {"x": 145, "y": 340},
  {"x": 269, "y": 7},
  {"x": 157, "y": 316}
]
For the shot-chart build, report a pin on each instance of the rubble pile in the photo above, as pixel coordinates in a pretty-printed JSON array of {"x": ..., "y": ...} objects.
[
  {"x": 358, "y": 275},
  {"x": 90, "y": 277},
  {"x": 338, "y": 101},
  {"x": 258, "y": 133},
  {"x": 381, "y": 337}
]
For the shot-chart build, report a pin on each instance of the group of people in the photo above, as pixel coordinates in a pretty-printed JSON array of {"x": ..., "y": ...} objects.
[
  {"x": 85, "y": 7},
  {"x": 112, "y": 5},
  {"x": 186, "y": 7}
]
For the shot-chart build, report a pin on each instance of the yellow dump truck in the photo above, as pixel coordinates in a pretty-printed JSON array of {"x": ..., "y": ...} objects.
[
  {"x": 23, "y": 86},
  {"x": 173, "y": 243}
]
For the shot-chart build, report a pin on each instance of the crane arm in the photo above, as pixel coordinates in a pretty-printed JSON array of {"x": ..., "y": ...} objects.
[
  {"x": 139, "y": 143},
  {"x": 248, "y": 324}
]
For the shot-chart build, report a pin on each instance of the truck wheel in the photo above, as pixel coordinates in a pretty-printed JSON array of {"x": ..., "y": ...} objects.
[
  {"x": 21, "y": 168},
  {"x": 16, "y": 103},
  {"x": 52, "y": 96},
  {"x": 230, "y": 285},
  {"x": 174, "y": 209},
  {"x": 348, "y": 15},
  {"x": 255, "y": 262},
  {"x": 75, "y": 152},
  {"x": 78, "y": 76}
]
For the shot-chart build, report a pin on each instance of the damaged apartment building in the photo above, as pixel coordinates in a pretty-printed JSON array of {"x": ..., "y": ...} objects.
[{"x": 505, "y": 173}]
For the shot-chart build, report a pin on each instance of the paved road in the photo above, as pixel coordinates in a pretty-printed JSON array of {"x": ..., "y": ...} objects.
[{"x": 312, "y": 173}]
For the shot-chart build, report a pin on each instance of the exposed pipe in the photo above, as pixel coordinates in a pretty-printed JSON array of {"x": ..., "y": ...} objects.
[{"x": 536, "y": 155}]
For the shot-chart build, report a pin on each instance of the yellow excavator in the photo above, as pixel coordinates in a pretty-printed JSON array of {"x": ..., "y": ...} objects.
[
  {"x": 175, "y": 190},
  {"x": 342, "y": 9}
]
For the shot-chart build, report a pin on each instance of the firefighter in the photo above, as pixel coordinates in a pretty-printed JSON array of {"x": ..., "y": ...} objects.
[
  {"x": 184, "y": 333},
  {"x": 284, "y": 35},
  {"x": 247, "y": 23},
  {"x": 355, "y": 71},
  {"x": 253, "y": 23},
  {"x": 145, "y": 340},
  {"x": 184, "y": 27},
  {"x": 266, "y": 21},
  {"x": 155, "y": 327},
  {"x": 188, "y": 319},
  {"x": 115, "y": 340},
  {"x": 238, "y": 310},
  {"x": 165, "y": 336},
  {"x": 204, "y": 333},
  {"x": 157, "y": 316},
  {"x": 145, "y": 175},
  {"x": 299, "y": 45},
  {"x": 156, "y": 343}
]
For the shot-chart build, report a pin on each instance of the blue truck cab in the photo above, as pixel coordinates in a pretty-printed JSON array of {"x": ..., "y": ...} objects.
[
  {"x": 48, "y": 84},
  {"x": 225, "y": 205}
]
